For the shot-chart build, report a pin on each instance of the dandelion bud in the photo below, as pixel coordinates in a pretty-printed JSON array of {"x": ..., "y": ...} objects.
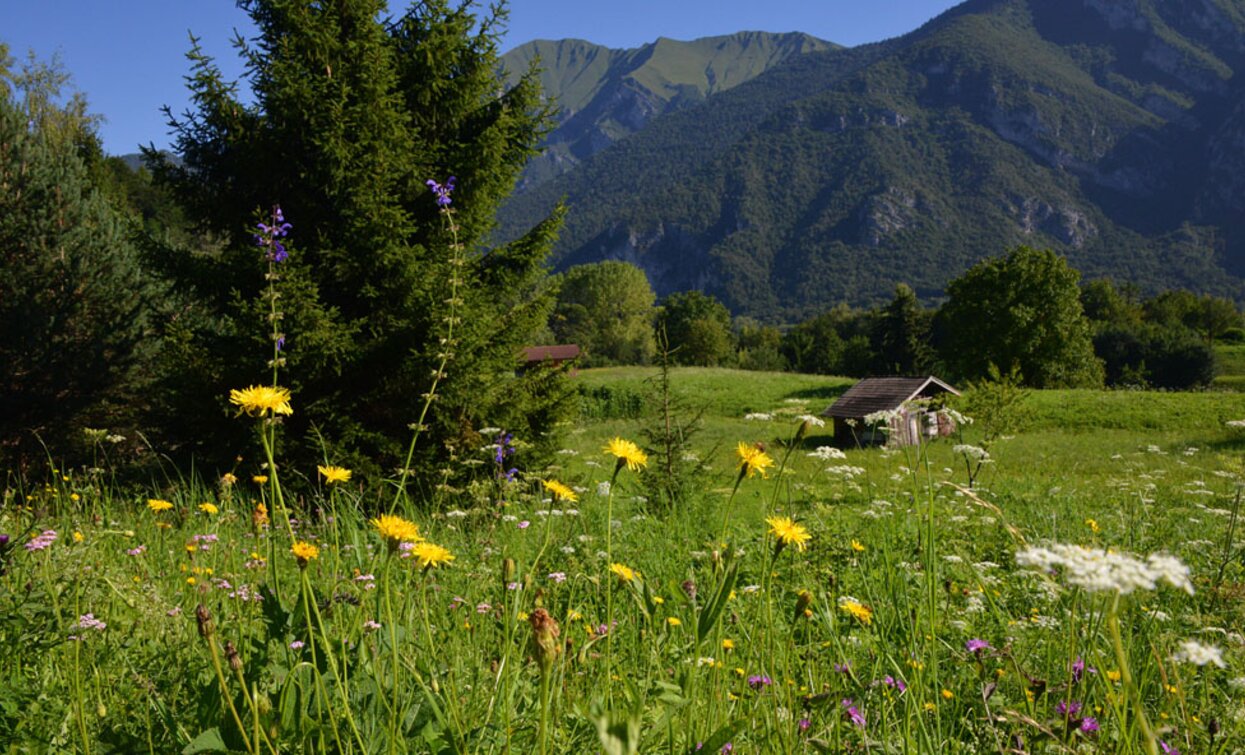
[
  {"x": 545, "y": 644},
  {"x": 803, "y": 599},
  {"x": 231, "y": 654},
  {"x": 508, "y": 571},
  {"x": 206, "y": 630}
]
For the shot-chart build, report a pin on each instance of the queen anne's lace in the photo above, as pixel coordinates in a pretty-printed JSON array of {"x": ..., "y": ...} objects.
[{"x": 1097, "y": 570}]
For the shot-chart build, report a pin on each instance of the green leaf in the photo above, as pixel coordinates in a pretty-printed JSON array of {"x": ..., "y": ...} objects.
[
  {"x": 721, "y": 736},
  {"x": 712, "y": 611},
  {"x": 208, "y": 741}
]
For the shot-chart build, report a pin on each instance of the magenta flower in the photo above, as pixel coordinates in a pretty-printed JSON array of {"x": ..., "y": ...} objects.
[
  {"x": 853, "y": 714},
  {"x": 1089, "y": 725},
  {"x": 41, "y": 541},
  {"x": 976, "y": 646},
  {"x": 1068, "y": 708},
  {"x": 1168, "y": 749},
  {"x": 758, "y": 682}
]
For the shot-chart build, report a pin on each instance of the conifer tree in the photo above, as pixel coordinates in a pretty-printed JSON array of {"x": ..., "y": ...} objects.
[
  {"x": 354, "y": 113},
  {"x": 71, "y": 293}
]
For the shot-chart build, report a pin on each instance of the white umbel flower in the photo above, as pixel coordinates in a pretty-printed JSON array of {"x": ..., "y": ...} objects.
[
  {"x": 1192, "y": 651},
  {"x": 827, "y": 453},
  {"x": 976, "y": 453},
  {"x": 1097, "y": 570}
]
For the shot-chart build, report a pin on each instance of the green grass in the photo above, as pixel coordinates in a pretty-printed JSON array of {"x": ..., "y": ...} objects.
[{"x": 396, "y": 658}]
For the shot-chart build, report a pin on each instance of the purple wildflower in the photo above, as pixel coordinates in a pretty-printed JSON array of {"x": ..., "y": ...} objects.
[
  {"x": 842, "y": 668},
  {"x": 804, "y": 723},
  {"x": 558, "y": 576},
  {"x": 4, "y": 542},
  {"x": 1068, "y": 708},
  {"x": 41, "y": 541},
  {"x": 1089, "y": 724},
  {"x": 894, "y": 683},
  {"x": 853, "y": 714},
  {"x": 270, "y": 234},
  {"x": 483, "y": 608},
  {"x": 976, "y": 645},
  {"x": 297, "y": 645},
  {"x": 88, "y": 621},
  {"x": 1079, "y": 668},
  {"x": 1168, "y": 749},
  {"x": 758, "y": 682},
  {"x": 442, "y": 191},
  {"x": 140, "y": 550},
  {"x": 727, "y": 748},
  {"x": 524, "y": 524}
]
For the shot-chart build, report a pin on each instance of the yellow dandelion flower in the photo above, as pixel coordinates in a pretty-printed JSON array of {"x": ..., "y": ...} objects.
[
  {"x": 857, "y": 610},
  {"x": 1113, "y": 676},
  {"x": 625, "y": 573},
  {"x": 728, "y": 644},
  {"x": 157, "y": 505},
  {"x": 208, "y": 508},
  {"x": 627, "y": 453},
  {"x": 560, "y": 492},
  {"x": 304, "y": 552},
  {"x": 260, "y": 479},
  {"x": 259, "y": 517},
  {"x": 930, "y": 707},
  {"x": 674, "y": 621},
  {"x": 75, "y": 497},
  {"x": 78, "y": 537},
  {"x": 430, "y": 555},
  {"x": 228, "y": 479},
  {"x": 947, "y": 694},
  {"x": 753, "y": 459},
  {"x": 396, "y": 530},
  {"x": 858, "y": 546},
  {"x": 259, "y": 400},
  {"x": 787, "y": 532},
  {"x": 333, "y": 475}
]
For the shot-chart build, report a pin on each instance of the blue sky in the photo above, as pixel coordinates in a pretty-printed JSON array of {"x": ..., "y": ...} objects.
[{"x": 127, "y": 56}]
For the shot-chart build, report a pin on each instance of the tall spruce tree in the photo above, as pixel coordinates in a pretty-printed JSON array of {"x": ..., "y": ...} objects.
[
  {"x": 353, "y": 113},
  {"x": 71, "y": 292}
]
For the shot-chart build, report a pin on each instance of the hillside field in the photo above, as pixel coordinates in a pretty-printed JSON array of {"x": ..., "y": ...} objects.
[{"x": 1084, "y": 595}]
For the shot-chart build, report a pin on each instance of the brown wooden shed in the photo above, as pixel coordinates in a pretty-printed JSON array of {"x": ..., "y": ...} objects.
[
  {"x": 912, "y": 420},
  {"x": 554, "y": 356}
]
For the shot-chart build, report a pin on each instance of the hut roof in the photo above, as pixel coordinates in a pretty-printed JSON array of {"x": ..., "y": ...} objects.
[
  {"x": 884, "y": 394},
  {"x": 556, "y": 353}
]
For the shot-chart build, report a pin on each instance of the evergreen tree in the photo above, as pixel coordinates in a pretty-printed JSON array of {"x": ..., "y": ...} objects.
[
  {"x": 71, "y": 296},
  {"x": 353, "y": 115},
  {"x": 903, "y": 336}
]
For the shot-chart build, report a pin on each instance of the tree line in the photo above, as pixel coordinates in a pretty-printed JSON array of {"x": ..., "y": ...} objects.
[{"x": 1025, "y": 313}]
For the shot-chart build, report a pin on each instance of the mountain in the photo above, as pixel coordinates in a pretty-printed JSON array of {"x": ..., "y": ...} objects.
[
  {"x": 1110, "y": 130},
  {"x": 603, "y": 95}
]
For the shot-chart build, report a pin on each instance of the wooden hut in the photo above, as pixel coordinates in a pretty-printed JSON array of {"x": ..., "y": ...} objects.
[
  {"x": 553, "y": 356},
  {"x": 906, "y": 398}
]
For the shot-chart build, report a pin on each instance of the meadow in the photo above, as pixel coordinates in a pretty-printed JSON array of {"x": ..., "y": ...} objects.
[{"x": 1083, "y": 595}]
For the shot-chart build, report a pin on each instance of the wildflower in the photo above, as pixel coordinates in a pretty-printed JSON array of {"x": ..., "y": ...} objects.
[
  {"x": 1098, "y": 570},
  {"x": 560, "y": 491},
  {"x": 396, "y": 530},
  {"x": 728, "y": 644},
  {"x": 442, "y": 191},
  {"x": 333, "y": 475},
  {"x": 41, "y": 541},
  {"x": 858, "y": 546},
  {"x": 827, "y": 453},
  {"x": 140, "y": 550},
  {"x": 947, "y": 694},
  {"x": 259, "y": 517},
  {"x": 208, "y": 508},
  {"x": 625, "y": 573},
  {"x": 975, "y": 453},
  {"x": 297, "y": 645},
  {"x": 804, "y": 723},
  {"x": 757, "y": 681},
  {"x": 1089, "y": 725},
  {"x": 260, "y": 479},
  {"x": 78, "y": 536},
  {"x": 304, "y": 552},
  {"x": 228, "y": 479},
  {"x": 627, "y": 453},
  {"x": 88, "y": 621},
  {"x": 975, "y": 646},
  {"x": 1079, "y": 668},
  {"x": 1068, "y": 708},
  {"x": 430, "y": 555},
  {"x": 1093, "y": 525},
  {"x": 856, "y": 609},
  {"x": 157, "y": 505},
  {"x": 372, "y": 625},
  {"x": 558, "y": 576},
  {"x": 853, "y": 714},
  {"x": 674, "y": 621},
  {"x": 545, "y": 645},
  {"x": 803, "y": 599},
  {"x": 787, "y": 532},
  {"x": 261, "y": 399},
  {"x": 753, "y": 459},
  {"x": 524, "y": 524},
  {"x": 1192, "y": 651},
  {"x": 1168, "y": 749}
]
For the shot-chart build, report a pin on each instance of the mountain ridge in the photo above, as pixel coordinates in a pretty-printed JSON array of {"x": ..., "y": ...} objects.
[{"x": 1110, "y": 131}]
